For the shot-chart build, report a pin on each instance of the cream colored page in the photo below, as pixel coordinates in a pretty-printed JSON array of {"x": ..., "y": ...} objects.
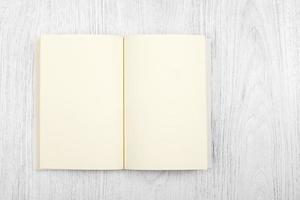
[
  {"x": 81, "y": 102},
  {"x": 166, "y": 125}
]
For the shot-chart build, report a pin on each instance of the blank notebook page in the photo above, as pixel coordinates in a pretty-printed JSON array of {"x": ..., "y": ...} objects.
[
  {"x": 166, "y": 118},
  {"x": 81, "y": 99}
]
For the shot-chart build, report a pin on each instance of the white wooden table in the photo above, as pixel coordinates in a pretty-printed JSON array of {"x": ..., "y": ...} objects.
[{"x": 255, "y": 107}]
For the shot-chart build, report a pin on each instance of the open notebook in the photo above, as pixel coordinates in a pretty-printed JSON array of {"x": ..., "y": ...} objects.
[{"x": 111, "y": 102}]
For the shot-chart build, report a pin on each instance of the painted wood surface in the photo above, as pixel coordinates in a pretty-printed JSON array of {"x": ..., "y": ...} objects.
[{"x": 255, "y": 97}]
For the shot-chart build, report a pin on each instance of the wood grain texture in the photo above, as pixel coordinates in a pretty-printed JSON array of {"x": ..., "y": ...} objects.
[{"x": 255, "y": 91}]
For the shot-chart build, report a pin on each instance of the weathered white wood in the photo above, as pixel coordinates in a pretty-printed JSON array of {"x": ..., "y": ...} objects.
[{"x": 255, "y": 107}]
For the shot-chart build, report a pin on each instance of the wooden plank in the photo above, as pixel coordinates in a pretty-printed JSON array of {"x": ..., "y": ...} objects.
[{"x": 255, "y": 107}]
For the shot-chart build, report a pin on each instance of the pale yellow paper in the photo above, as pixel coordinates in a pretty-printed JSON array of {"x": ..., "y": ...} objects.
[
  {"x": 166, "y": 104},
  {"x": 81, "y": 99}
]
